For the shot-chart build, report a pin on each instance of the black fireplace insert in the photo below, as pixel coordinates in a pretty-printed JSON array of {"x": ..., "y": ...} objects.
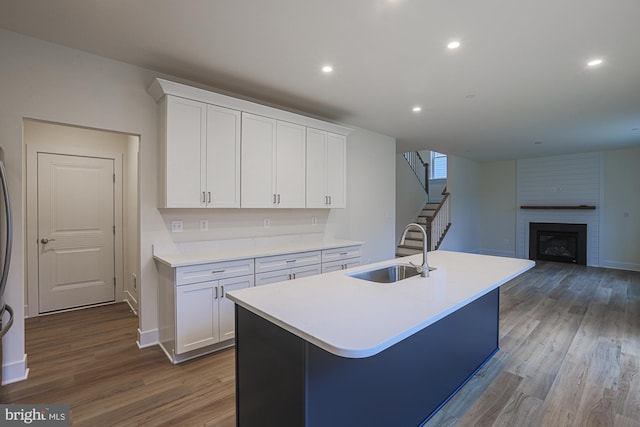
[{"x": 558, "y": 242}]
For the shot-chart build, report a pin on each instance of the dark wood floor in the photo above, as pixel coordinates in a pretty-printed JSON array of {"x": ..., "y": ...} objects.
[{"x": 569, "y": 356}]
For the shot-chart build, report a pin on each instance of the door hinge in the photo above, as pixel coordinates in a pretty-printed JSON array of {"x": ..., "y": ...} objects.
[
  {"x": 114, "y": 178},
  {"x": 114, "y": 230},
  {"x": 114, "y": 282}
]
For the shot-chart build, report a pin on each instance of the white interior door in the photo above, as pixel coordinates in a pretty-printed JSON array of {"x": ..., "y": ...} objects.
[{"x": 75, "y": 231}]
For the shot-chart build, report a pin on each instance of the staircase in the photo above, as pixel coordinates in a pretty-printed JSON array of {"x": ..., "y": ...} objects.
[
  {"x": 435, "y": 217},
  {"x": 427, "y": 219}
]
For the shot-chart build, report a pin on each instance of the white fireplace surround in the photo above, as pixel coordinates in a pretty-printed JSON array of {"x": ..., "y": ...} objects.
[{"x": 560, "y": 181}]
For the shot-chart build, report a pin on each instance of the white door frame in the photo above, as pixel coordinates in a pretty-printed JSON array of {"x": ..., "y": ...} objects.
[{"x": 31, "y": 300}]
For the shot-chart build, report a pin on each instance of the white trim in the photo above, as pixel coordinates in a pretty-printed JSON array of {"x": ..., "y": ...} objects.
[
  {"x": 621, "y": 265},
  {"x": 131, "y": 301},
  {"x": 15, "y": 371},
  {"x": 161, "y": 87},
  {"x": 148, "y": 338}
]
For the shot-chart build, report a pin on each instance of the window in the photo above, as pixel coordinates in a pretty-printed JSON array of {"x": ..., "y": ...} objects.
[{"x": 438, "y": 165}]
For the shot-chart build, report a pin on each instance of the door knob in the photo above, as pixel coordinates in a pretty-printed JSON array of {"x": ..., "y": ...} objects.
[{"x": 45, "y": 241}]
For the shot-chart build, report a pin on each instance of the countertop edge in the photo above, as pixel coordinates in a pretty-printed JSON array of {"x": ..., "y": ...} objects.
[{"x": 207, "y": 257}]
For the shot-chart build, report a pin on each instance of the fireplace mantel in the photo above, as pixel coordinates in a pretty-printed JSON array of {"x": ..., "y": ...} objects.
[{"x": 581, "y": 207}]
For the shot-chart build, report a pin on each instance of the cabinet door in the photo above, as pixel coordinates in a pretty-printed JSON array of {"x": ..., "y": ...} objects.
[
  {"x": 227, "y": 307},
  {"x": 317, "y": 195},
  {"x": 185, "y": 167},
  {"x": 196, "y": 316},
  {"x": 336, "y": 170},
  {"x": 290, "y": 165},
  {"x": 258, "y": 160},
  {"x": 223, "y": 157},
  {"x": 309, "y": 270},
  {"x": 273, "y": 277}
]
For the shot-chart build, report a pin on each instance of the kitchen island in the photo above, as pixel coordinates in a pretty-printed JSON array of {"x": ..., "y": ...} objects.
[{"x": 337, "y": 350}]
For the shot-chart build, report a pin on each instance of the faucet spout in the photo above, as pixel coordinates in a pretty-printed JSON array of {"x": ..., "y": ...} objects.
[{"x": 424, "y": 268}]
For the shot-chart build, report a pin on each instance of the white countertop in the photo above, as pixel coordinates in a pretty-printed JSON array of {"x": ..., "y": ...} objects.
[
  {"x": 355, "y": 318},
  {"x": 228, "y": 250}
]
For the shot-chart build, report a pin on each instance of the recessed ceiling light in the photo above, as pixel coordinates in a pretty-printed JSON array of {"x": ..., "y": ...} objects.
[
  {"x": 416, "y": 109},
  {"x": 454, "y": 45},
  {"x": 327, "y": 69},
  {"x": 594, "y": 62}
]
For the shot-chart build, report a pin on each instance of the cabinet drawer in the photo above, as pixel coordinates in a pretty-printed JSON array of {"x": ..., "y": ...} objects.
[
  {"x": 336, "y": 254},
  {"x": 328, "y": 267},
  {"x": 280, "y": 262},
  {"x": 213, "y": 271}
]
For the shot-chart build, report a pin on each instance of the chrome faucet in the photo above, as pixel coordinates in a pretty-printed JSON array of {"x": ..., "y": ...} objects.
[{"x": 424, "y": 268}]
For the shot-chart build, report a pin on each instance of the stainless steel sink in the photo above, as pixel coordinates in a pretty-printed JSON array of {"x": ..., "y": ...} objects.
[{"x": 390, "y": 274}]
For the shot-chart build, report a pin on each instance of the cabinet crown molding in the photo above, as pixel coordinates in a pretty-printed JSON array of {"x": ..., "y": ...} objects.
[{"x": 161, "y": 87}]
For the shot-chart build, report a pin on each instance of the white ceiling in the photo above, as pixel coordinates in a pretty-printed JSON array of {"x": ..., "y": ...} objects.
[{"x": 519, "y": 77}]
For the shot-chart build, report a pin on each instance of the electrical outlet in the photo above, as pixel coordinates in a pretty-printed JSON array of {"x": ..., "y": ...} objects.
[
  {"x": 266, "y": 223},
  {"x": 177, "y": 226},
  {"x": 204, "y": 225}
]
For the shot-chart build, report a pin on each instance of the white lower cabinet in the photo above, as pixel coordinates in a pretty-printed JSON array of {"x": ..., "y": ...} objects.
[
  {"x": 341, "y": 258},
  {"x": 194, "y": 315},
  {"x": 279, "y": 268},
  {"x": 287, "y": 274},
  {"x": 204, "y": 316}
]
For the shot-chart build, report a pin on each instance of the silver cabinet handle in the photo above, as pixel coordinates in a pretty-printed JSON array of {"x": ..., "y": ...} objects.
[
  {"x": 217, "y": 271},
  {"x": 45, "y": 241},
  {"x": 326, "y": 200},
  {"x": 291, "y": 260},
  {"x": 329, "y": 199},
  {"x": 274, "y": 198},
  {"x": 222, "y": 290},
  {"x": 294, "y": 275},
  {"x": 216, "y": 297},
  {"x": 278, "y": 198},
  {"x": 209, "y": 193}
]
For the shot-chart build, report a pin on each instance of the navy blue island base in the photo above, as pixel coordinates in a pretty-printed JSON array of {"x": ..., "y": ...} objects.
[{"x": 283, "y": 380}]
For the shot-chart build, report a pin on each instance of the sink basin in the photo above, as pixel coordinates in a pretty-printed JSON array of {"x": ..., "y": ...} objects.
[{"x": 390, "y": 274}]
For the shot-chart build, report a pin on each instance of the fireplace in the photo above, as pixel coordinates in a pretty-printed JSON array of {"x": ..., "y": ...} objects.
[{"x": 558, "y": 242}]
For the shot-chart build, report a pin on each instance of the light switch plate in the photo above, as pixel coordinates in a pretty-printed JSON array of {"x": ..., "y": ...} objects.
[{"x": 177, "y": 226}]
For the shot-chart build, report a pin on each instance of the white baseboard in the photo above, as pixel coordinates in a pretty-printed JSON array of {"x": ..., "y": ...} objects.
[
  {"x": 621, "y": 265},
  {"x": 133, "y": 303},
  {"x": 14, "y": 372},
  {"x": 148, "y": 338}
]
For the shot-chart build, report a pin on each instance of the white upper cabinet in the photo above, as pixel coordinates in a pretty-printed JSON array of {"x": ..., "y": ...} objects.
[
  {"x": 185, "y": 139},
  {"x": 201, "y": 155},
  {"x": 223, "y": 157},
  {"x": 326, "y": 169},
  {"x": 223, "y": 152},
  {"x": 273, "y": 163}
]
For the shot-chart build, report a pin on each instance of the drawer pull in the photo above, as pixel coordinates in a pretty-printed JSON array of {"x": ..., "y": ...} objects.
[
  {"x": 344, "y": 253},
  {"x": 291, "y": 260},
  {"x": 217, "y": 271}
]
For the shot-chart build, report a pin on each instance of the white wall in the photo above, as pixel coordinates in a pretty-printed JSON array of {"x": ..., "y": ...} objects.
[
  {"x": 620, "y": 247},
  {"x": 463, "y": 183},
  {"x": 48, "y": 82},
  {"x": 498, "y": 208},
  {"x": 410, "y": 195}
]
